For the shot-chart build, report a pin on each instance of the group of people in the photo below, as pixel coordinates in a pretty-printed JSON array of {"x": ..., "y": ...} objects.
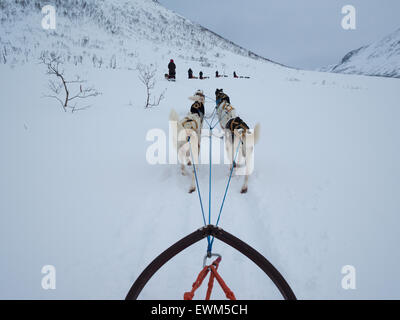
[
  {"x": 201, "y": 75},
  {"x": 172, "y": 73},
  {"x": 217, "y": 75}
]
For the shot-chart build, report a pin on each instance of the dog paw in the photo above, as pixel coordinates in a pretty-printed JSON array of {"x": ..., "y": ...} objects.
[
  {"x": 244, "y": 190},
  {"x": 191, "y": 190}
]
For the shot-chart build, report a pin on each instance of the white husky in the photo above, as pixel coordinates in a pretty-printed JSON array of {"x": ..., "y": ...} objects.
[
  {"x": 236, "y": 131},
  {"x": 188, "y": 139}
]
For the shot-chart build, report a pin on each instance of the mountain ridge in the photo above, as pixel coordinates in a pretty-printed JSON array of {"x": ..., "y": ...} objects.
[
  {"x": 380, "y": 58},
  {"x": 130, "y": 28}
]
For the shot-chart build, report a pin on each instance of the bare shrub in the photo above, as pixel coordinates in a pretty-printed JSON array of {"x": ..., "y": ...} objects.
[
  {"x": 62, "y": 88},
  {"x": 147, "y": 75}
]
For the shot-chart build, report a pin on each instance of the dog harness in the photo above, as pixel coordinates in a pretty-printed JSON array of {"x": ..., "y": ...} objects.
[
  {"x": 236, "y": 124},
  {"x": 187, "y": 121},
  {"x": 222, "y": 97},
  {"x": 227, "y": 107},
  {"x": 198, "y": 107},
  {"x": 225, "y": 112}
]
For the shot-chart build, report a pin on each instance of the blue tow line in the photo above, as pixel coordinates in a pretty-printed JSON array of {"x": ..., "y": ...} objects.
[
  {"x": 198, "y": 190},
  {"x": 226, "y": 191},
  {"x": 211, "y": 127}
]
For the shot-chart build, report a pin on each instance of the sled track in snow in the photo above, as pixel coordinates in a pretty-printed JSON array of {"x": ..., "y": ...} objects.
[{"x": 224, "y": 236}]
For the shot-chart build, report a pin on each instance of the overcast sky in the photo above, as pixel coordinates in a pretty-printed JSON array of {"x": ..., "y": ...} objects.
[{"x": 299, "y": 33}]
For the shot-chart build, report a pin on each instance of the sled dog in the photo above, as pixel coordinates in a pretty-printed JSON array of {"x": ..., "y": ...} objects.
[
  {"x": 236, "y": 131},
  {"x": 187, "y": 141}
]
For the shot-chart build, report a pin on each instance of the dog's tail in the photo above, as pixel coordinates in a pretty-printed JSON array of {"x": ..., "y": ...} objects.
[
  {"x": 173, "y": 116},
  {"x": 257, "y": 129}
]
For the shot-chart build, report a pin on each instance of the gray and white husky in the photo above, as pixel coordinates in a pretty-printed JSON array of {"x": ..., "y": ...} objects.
[
  {"x": 236, "y": 131},
  {"x": 189, "y": 127}
]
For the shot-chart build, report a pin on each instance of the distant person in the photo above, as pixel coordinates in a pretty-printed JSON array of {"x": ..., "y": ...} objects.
[
  {"x": 190, "y": 73},
  {"x": 171, "y": 69},
  {"x": 235, "y": 75},
  {"x": 201, "y": 76},
  {"x": 216, "y": 74}
]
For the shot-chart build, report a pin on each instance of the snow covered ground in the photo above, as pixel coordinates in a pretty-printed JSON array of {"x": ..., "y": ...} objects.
[{"x": 76, "y": 191}]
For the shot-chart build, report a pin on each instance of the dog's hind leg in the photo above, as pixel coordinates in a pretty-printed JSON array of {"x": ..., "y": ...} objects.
[
  {"x": 246, "y": 180},
  {"x": 193, "y": 185},
  {"x": 183, "y": 170},
  {"x": 193, "y": 144},
  {"x": 248, "y": 158},
  {"x": 182, "y": 157},
  {"x": 245, "y": 184},
  {"x": 229, "y": 149}
]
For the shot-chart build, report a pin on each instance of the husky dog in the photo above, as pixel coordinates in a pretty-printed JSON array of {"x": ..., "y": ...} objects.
[
  {"x": 187, "y": 141},
  {"x": 236, "y": 131}
]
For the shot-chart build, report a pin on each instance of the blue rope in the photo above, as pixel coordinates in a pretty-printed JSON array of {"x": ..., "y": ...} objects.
[
  {"x": 207, "y": 122},
  {"x": 211, "y": 127},
  {"x": 215, "y": 110},
  {"x": 215, "y": 125},
  {"x": 226, "y": 191},
  {"x": 197, "y": 182},
  {"x": 198, "y": 192},
  {"x": 209, "y": 189},
  {"x": 212, "y": 118},
  {"x": 209, "y": 180}
]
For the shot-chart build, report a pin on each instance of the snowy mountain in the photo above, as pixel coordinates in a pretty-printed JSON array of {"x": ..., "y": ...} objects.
[
  {"x": 130, "y": 31},
  {"x": 381, "y": 58}
]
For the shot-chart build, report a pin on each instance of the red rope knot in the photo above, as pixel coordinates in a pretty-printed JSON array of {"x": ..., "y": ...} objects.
[
  {"x": 188, "y": 296},
  {"x": 214, "y": 275}
]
